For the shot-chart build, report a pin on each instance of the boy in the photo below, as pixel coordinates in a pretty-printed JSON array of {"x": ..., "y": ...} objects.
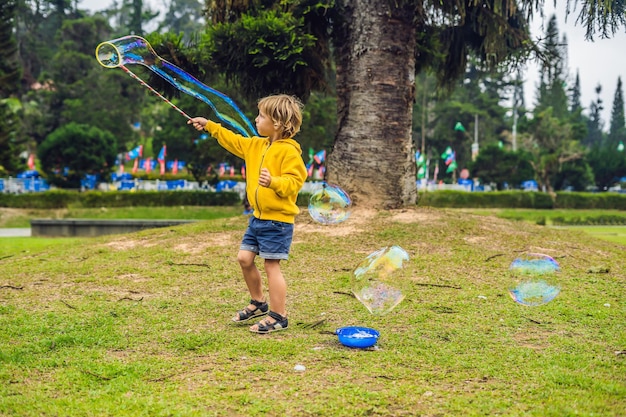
[{"x": 275, "y": 175}]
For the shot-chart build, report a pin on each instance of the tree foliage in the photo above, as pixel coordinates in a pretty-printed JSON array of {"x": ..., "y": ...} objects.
[
  {"x": 9, "y": 82},
  {"x": 551, "y": 145},
  {"x": 74, "y": 150},
  {"x": 266, "y": 53},
  {"x": 499, "y": 166}
]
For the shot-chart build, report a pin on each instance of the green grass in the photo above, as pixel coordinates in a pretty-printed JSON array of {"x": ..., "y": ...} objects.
[
  {"x": 139, "y": 324},
  {"x": 615, "y": 234},
  {"x": 11, "y": 246},
  {"x": 557, "y": 216},
  {"x": 11, "y": 218}
]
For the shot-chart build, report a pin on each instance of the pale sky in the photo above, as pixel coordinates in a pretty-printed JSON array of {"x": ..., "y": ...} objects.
[{"x": 601, "y": 61}]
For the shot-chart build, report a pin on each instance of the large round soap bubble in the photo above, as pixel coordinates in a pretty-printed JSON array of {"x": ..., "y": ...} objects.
[
  {"x": 329, "y": 205},
  {"x": 533, "y": 279},
  {"x": 376, "y": 284}
]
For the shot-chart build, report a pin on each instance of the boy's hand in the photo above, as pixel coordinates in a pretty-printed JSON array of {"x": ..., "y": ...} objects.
[
  {"x": 197, "y": 122},
  {"x": 265, "y": 179}
]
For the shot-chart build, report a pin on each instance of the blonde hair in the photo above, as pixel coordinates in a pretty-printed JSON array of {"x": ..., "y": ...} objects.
[{"x": 285, "y": 110}]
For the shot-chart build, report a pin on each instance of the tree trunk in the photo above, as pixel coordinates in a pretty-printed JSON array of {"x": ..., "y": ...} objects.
[{"x": 373, "y": 157}]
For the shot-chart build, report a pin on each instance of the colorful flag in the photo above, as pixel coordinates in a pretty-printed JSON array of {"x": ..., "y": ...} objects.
[
  {"x": 147, "y": 165},
  {"x": 134, "y": 153},
  {"x": 320, "y": 157},
  {"x": 421, "y": 165},
  {"x": 175, "y": 167},
  {"x": 449, "y": 156},
  {"x": 446, "y": 153},
  {"x": 162, "y": 154},
  {"x": 161, "y": 159},
  {"x": 31, "y": 161},
  {"x": 135, "y": 165}
]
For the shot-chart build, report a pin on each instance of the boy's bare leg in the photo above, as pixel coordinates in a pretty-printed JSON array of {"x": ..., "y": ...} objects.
[
  {"x": 251, "y": 275},
  {"x": 277, "y": 287},
  {"x": 278, "y": 291}
]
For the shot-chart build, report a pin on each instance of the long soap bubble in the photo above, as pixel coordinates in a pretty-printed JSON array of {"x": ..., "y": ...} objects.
[
  {"x": 533, "y": 275},
  {"x": 118, "y": 53},
  {"x": 376, "y": 284}
]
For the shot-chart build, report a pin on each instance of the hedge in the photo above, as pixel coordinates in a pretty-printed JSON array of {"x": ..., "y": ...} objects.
[
  {"x": 446, "y": 198},
  {"x": 522, "y": 199},
  {"x": 496, "y": 199}
]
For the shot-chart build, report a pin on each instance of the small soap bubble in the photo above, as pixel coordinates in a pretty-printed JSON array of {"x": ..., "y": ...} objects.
[
  {"x": 330, "y": 205},
  {"x": 375, "y": 281},
  {"x": 533, "y": 277}
]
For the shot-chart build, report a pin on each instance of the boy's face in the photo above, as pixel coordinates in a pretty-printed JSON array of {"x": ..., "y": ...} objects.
[{"x": 264, "y": 125}]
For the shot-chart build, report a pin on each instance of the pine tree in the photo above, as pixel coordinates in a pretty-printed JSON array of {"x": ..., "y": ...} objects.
[
  {"x": 9, "y": 82},
  {"x": 617, "y": 127},
  {"x": 575, "y": 95},
  {"x": 553, "y": 74},
  {"x": 594, "y": 122},
  {"x": 9, "y": 70}
]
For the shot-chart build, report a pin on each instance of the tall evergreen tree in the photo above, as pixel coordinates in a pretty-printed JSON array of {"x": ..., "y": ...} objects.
[
  {"x": 135, "y": 24},
  {"x": 129, "y": 17},
  {"x": 607, "y": 156},
  {"x": 595, "y": 124},
  {"x": 553, "y": 73},
  {"x": 9, "y": 69},
  {"x": 617, "y": 126},
  {"x": 576, "y": 117},
  {"x": 183, "y": 16},
  {"x": 575, "y": 104},
  {"x": 9, "y": 83}
]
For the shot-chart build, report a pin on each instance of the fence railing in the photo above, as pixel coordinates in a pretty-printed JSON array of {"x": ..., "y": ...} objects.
[
  {"x": 23, "y": 185},
  {"x": 30, "y": 185}
]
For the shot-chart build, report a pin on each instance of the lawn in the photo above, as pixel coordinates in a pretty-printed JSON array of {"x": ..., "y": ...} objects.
[
  {"x": 615, "y": 234},
  {"x": 21, "y": 217},
  {"x": 139, "y": 324}
]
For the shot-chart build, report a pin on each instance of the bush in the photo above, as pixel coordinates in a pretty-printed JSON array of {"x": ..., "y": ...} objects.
[
  {"x": 74, "y": 150},
  {"x": 497, "y": 199}
]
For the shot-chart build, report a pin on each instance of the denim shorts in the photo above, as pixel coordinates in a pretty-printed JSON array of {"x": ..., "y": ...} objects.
[{"x": 268, "y": 238}]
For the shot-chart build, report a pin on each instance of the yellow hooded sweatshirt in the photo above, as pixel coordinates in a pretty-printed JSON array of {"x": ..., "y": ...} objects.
[{"x": 283, "y": 159}]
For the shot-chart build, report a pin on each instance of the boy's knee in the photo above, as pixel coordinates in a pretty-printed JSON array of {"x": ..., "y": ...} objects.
[{"x": 245, "y": 259}]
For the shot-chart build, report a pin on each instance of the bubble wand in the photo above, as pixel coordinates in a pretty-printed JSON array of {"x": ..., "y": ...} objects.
[
  {"x": 136, "y": 50},
  {"x": 142, "y": 82}
]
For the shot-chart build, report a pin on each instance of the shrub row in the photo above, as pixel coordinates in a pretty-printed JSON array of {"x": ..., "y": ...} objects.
[
  {"x": 595, "y": 220},
  {"x": 497, "y": 199},
  {"x": 522, "y": 199},
  {"x": 451, "y": 199}
]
